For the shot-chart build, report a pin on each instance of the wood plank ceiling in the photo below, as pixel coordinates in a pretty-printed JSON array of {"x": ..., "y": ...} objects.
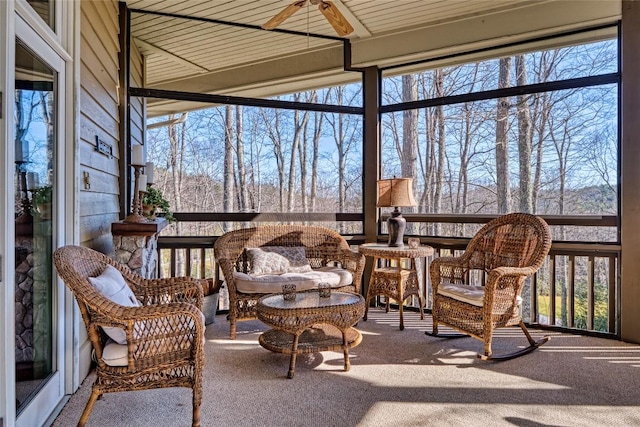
[
  {"x": 209, "y": 47},
  {"x": 196, "y": 55}
]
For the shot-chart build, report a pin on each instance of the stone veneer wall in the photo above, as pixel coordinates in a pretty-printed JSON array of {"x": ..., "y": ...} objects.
[
  {"x": 136, "y": 245},
  {"x": 139, "y": 253},
  {"x": 24, "y": 299},
  {"x": 33, "y": 294}
]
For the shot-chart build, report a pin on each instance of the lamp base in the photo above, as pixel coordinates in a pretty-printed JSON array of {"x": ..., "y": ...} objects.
[{"x": 396, "y": 225}]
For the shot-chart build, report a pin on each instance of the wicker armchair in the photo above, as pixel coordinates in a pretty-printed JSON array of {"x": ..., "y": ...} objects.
[
  {"x": 322, "y": 246},
  {"x": 164, "y": 335},
  {"x": 506, "y": 251}
]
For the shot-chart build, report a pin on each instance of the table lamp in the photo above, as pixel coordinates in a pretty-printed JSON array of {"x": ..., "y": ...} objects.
[{"x": 395, "y": 192}]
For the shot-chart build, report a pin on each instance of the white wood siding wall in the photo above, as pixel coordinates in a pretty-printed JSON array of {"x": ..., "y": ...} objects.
[
  {"x": 99, "y": 49},
  {"x": 138, "y": 114},
  {"x": 99, "y": 102}
]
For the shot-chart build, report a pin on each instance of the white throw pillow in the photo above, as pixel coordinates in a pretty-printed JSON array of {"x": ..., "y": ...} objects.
[
  {"x": 278, "y": 260},
  {"x": 112, "y": 285}
]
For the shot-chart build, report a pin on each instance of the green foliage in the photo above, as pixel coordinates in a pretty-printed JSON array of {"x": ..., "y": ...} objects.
[
  {"x": 600, "y": 316},
  {"x": 43, "y": 195},
  {"x": 154, "y": 197}
]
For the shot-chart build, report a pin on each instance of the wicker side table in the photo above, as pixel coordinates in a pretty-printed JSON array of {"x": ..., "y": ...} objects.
[
  {"x": 396, "y": 282},
  {"x": 293, "y": 324}
]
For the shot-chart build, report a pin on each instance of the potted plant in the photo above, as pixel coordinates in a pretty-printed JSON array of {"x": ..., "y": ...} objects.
[
  {"x": 42, "y": 198},
  {"x": 154, "y": 202},
  {"x": 211, "y": 290}
]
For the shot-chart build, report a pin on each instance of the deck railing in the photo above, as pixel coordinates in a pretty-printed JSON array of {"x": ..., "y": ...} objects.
[{"x": 576, "y": 290}]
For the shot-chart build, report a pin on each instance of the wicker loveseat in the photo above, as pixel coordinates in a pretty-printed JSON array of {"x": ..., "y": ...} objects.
[{"x": 325, "y": 251}]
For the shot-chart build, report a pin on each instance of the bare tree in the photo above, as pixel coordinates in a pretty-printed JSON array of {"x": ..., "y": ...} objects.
[
  {"x": 524, "y": 139},
  {"x": 272, "y": 120},
  {"x": 408, "y": 156},
  {"x": 426, "y": 158},
  {"x": 502, "y": 140},
  {"x": 318, "y": 120},
  {"x": 345, "y": 136},
  {"x": 470, "y": 127},
  {"x": 254, "y": 163},
  {"x": 440, "y": 145},
  {"x": 243, "y": 192},
  {"x": 338, "y": 127},
  {"x": 229, "y": 174},
  {"x": 175, "y": 161},
  {"x": 541, "y": 109},
  {"x": 299, "y": 124}
]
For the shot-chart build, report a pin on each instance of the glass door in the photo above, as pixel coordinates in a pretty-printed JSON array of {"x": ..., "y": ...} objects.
[
  {"x": 34, "y": 124},
  {"x": 37, "y": 121}
]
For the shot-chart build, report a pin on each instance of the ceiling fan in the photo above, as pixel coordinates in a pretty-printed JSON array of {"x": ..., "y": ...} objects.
[{"x": 327, "y": 8}]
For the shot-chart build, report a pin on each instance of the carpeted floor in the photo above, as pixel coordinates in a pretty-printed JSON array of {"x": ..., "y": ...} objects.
[{"x": 397, "y": 378}]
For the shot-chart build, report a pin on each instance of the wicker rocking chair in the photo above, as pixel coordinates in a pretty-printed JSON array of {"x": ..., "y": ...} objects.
[
  {"x": 505, "y": 251},
  {"x": 164, "y": 333}
]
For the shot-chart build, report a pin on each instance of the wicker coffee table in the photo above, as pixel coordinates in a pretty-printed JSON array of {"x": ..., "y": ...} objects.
[{"x": 301, "y": 326}]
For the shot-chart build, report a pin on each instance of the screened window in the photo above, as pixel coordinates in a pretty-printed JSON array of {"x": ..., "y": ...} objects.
[
  {"x": 544, "y": 140},
  {"x": 256, "y": 159}
]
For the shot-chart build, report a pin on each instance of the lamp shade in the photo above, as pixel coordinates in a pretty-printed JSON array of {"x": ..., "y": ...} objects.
[{"x": 395, "y": 192}]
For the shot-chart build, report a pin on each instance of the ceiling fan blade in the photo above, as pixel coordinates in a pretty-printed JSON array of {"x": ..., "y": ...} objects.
[
  {"x": 283, "y": 15},
  {"x": 335, "y": 18}
]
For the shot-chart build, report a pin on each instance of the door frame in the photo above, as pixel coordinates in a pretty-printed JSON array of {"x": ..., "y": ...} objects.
[
  {"x": 7, "y": 258},
  {"x": 22, "y": 22}
]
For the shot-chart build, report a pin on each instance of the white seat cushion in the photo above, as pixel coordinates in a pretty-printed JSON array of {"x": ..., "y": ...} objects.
[
  {"x": 112, "y": 285},
  {"x": 470, "y": 294},
  {"x": 114, "y": 354},
  {"x": 272, "y": 283}
]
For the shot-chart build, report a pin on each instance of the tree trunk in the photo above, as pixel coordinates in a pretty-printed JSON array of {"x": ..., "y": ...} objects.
[
  {"x": 302, "y": 153},
  {"x": 438, "y": 76},
  {"x": 229, "y": 174},
  {"x": 243, "y": 197},
  {"x": 299, "y": 124},
  {"x": 318, "y": 119},
  {"x": 524, "y": 140},
  {"x": 409, "y": 159},
  {"x": 273, "y": 130},
  {"x": 176, "y": 157},
  {"x": 312, "y": 96},
  {"x": 502, "y": 141},
  {"x": 542, "y": 126},
  {"x": 563, "y": 148},
  {"x": 463, "y": 184}
]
